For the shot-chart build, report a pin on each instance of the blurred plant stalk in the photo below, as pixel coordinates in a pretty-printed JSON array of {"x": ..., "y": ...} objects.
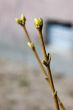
[{"x": 47, "y": 58}]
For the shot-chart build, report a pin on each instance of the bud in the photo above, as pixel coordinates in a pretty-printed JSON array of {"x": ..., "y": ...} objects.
[
  {"x": 38, "y": 23},
  {"x": 21, "y": 20},
  {"x": 31, "y": 45}
]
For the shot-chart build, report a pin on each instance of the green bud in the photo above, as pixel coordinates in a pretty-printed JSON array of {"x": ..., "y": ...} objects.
[
  {"x": 38, "y": 23},
  {"x": 21, "y": 20}
]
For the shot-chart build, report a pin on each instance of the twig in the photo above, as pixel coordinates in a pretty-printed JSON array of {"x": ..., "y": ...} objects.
[
  {"x": 21, "y": 21},
  {"x": 39, "y": 25}
]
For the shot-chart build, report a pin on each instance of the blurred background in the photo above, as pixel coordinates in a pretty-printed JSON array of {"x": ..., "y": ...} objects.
[{"x": 22, "y": 85}]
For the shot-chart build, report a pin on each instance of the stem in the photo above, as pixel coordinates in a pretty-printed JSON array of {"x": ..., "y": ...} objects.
[
  {"x": 56, "y": 98},
  {"x": 39, "y": 61},
  {"x": 42, "y": 43},
  {"x": 61, "y": 104},
  {"x": 53, "y": 88},
  {"x": 31, "y": 45},
  {"x": 26, "y": 32}
]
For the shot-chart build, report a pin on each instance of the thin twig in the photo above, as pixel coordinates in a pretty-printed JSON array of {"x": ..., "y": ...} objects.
[
  {"x": 56, "y": 98},
  {"x": 48, "y": 76}
]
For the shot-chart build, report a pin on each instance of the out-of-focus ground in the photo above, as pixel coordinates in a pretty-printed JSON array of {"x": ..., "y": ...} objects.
[{"x": 24, "y": 88}]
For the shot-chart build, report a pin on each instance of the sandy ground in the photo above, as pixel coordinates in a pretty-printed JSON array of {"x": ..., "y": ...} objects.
[{"x": 24, "y": 88}]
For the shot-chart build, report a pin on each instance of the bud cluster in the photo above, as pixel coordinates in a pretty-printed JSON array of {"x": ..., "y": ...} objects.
[{"x": 21, "y": 21}]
